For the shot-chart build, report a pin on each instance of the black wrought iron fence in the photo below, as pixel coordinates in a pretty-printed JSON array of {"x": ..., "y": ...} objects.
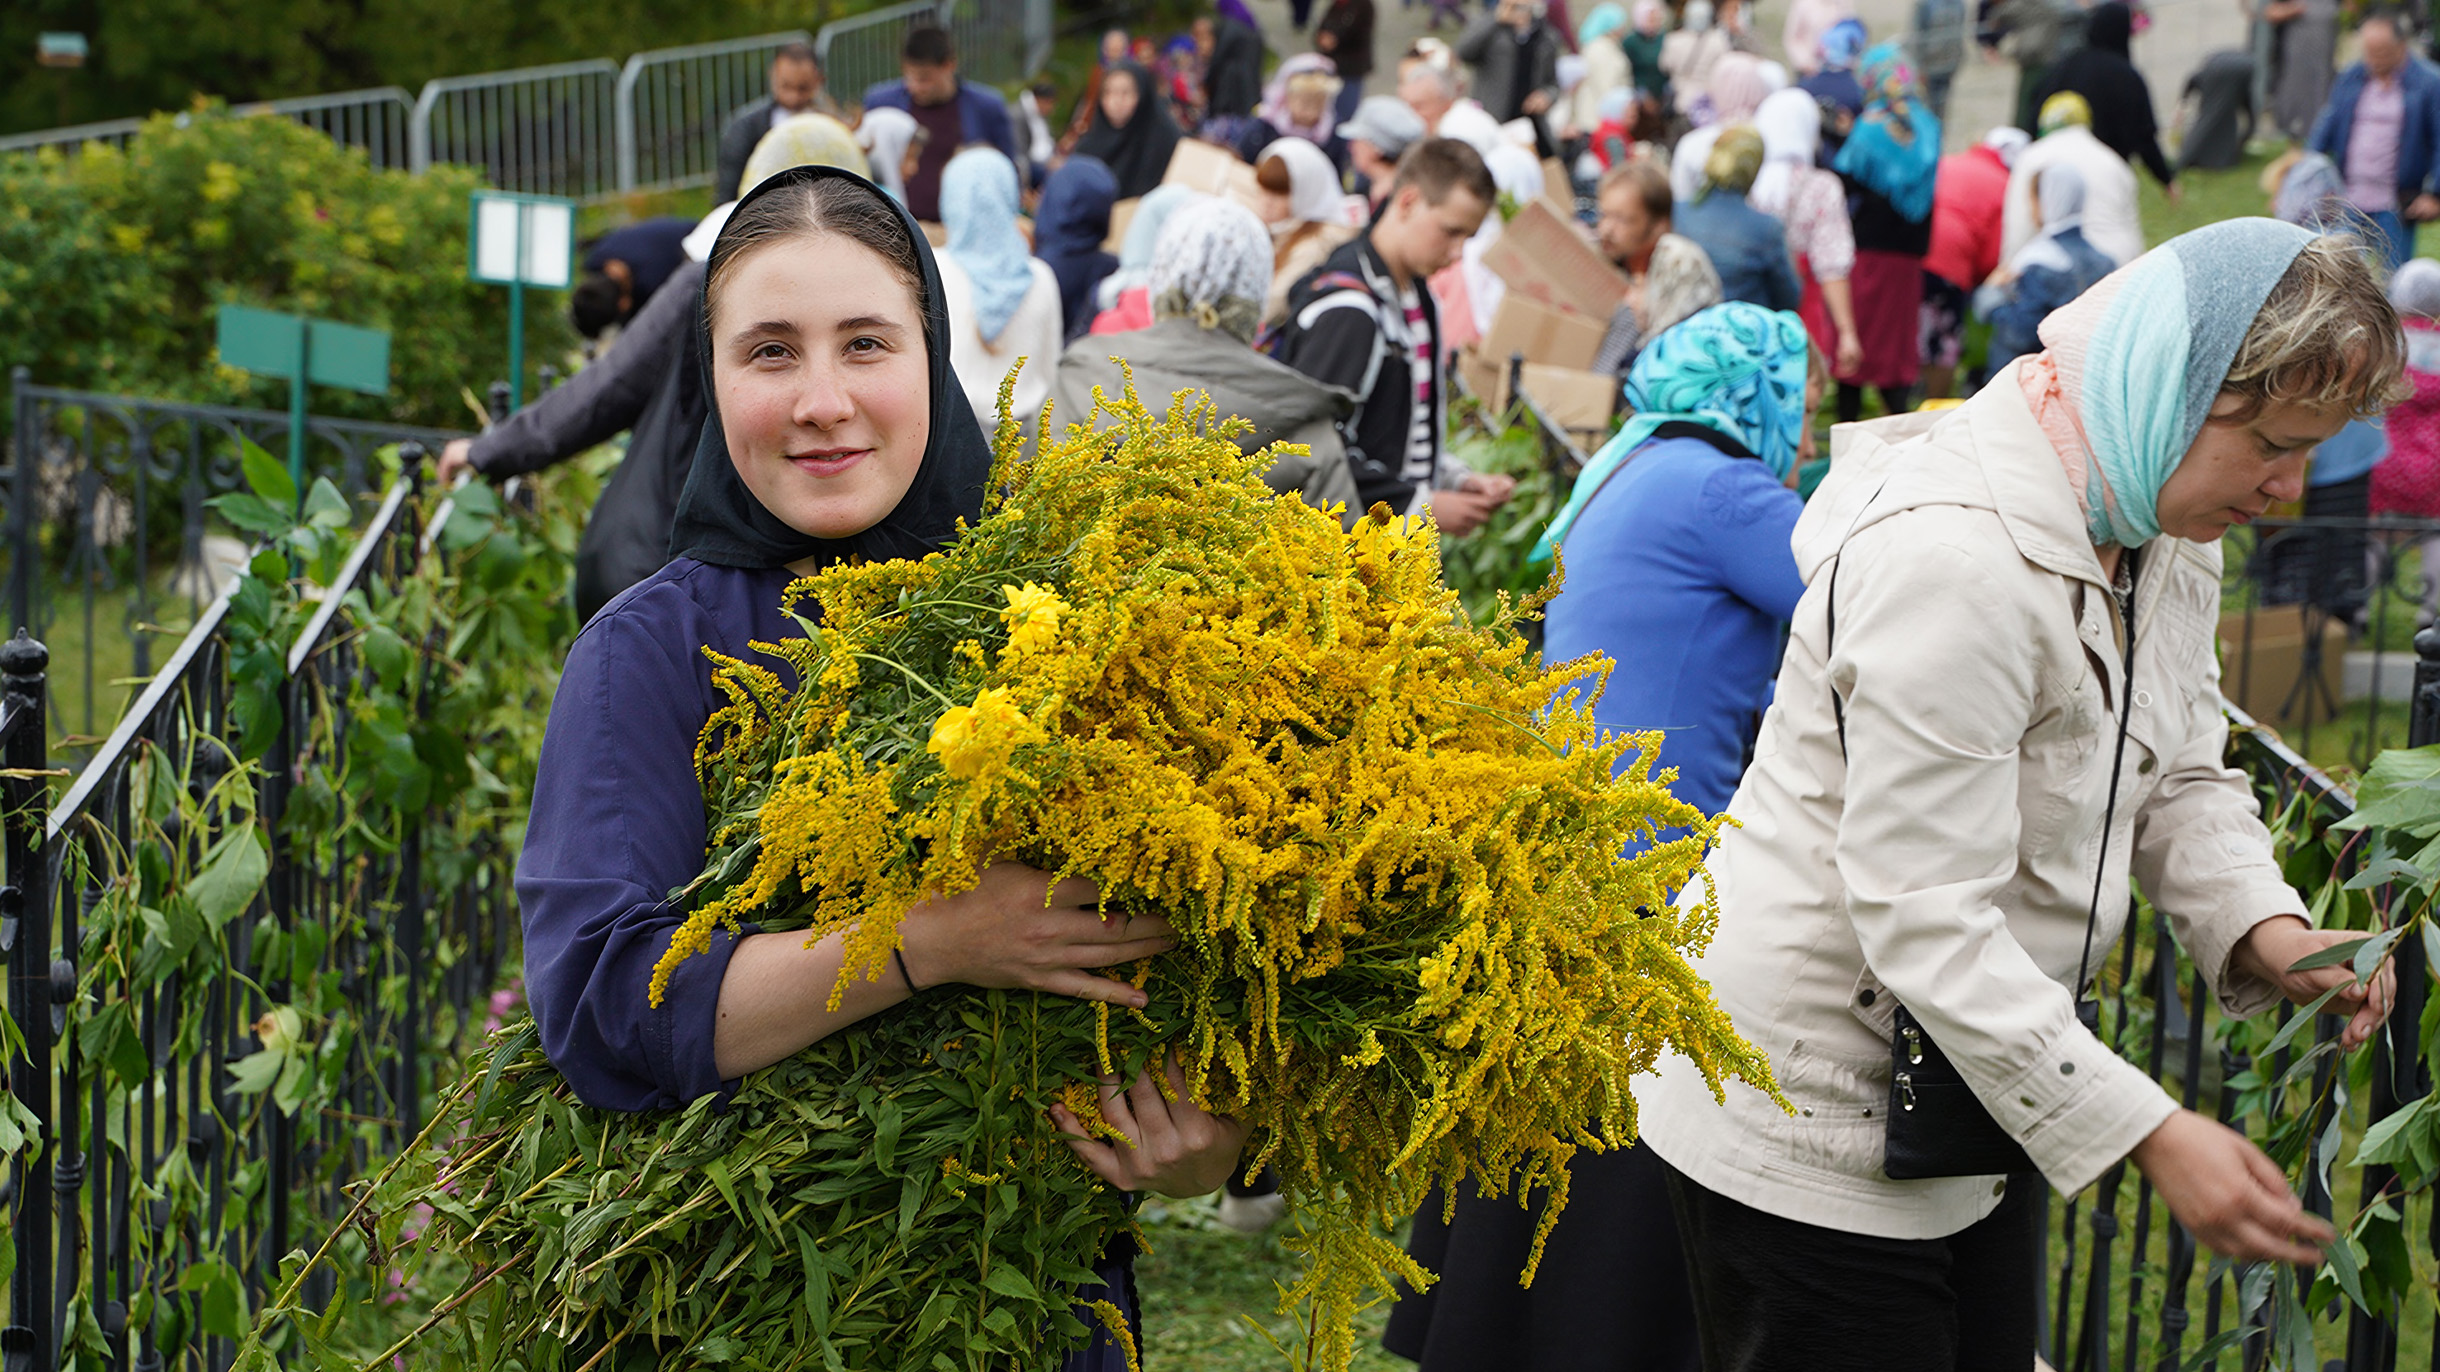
[
  {"x": 2317, "y": 621},
  {"x": 2127, "y": 1286},
  {"x": 109, "y": 538},
  {"x": 218, "y": 1033}
]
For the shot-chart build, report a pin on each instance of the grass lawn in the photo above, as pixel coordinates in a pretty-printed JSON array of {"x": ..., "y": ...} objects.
[{"x": 1211, "y": 1296}]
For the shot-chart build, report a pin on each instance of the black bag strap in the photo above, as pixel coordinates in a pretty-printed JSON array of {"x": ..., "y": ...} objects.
[{"x": 2126, "y": 712}]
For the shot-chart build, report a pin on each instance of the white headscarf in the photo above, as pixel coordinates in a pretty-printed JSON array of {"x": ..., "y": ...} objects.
[
  {"x": 1470, "y": 123},
  {"x": 884, "y": 134},
  {"x": 2060, "y": 191},
  {"x": 2415, "y": 289},
  {"x": 1213, "y": 266},
  {"x": 1314, "y": 193},
  {"x": 2007, "y": 141},
  {"x": 1791, "y": 128}
]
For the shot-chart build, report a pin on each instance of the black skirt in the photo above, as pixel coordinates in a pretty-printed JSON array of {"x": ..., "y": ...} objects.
[{"x": 1611, "y": 1295}]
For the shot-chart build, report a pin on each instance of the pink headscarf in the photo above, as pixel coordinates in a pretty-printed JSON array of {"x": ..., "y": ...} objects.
[
  {"x": 1737, "y": 88},
  {"x": 1274, "y": 107}
]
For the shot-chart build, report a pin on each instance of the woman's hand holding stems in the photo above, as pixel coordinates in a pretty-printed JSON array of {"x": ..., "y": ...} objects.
[
  {"x": 1016, "y": 929},
  {"x": 2227, "y": 1192}
]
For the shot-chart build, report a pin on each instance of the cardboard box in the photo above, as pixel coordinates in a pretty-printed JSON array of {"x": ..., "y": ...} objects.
[
  {"x": 1121, "y": 215},
  {"x": 1555, "y": 337},
  {"x": 1558, "y": 188},
  {"x": 2273, "y": 668},
  {"x": 1578, "y": 401},
  {"x": 1212, "y": 170},
  {"x": 1543, "y": 255}
]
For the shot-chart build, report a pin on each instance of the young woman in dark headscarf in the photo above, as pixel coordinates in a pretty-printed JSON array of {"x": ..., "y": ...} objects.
[
  {"x": 1132, "y": 132},
  {"x": 837, "y": 431}
]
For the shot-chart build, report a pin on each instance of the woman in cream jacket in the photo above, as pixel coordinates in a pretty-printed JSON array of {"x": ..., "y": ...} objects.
[{"x": 1937, "y": 847}]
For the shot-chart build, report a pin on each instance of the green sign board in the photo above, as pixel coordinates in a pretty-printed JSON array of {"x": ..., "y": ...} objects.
[
  {"x": 304, "y": 352},
  {"x": 341, "y": 355}
]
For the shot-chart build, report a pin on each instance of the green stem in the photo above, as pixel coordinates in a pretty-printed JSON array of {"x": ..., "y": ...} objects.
[{"x": 909, "y": 672}]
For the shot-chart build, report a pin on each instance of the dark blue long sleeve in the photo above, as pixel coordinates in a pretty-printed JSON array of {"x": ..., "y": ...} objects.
[{"x": 617, "y": 824}]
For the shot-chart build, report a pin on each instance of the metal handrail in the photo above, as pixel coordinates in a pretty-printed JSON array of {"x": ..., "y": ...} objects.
[{"x": 73, "y": 133}]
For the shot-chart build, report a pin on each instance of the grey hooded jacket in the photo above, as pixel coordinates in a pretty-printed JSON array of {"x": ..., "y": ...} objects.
[{"x": 1284, "y": 405}]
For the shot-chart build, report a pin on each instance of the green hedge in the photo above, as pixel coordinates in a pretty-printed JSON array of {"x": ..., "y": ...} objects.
[{"x": 112, "y": 264}]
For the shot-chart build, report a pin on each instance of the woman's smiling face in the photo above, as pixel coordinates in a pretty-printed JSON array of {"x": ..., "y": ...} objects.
[{"x": 821, "y": 373}]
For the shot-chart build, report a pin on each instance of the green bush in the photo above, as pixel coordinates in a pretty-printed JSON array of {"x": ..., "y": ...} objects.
[{"x": 112, "y": 264}]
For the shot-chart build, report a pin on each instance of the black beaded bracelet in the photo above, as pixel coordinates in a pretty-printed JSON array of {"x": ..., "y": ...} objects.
[{"x": 899, "y": 956}]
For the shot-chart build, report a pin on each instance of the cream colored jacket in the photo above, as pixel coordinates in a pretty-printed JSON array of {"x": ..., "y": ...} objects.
[{"x": 1945, "y": 861}]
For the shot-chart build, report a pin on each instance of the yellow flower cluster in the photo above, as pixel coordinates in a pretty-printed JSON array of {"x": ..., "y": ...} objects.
[{"x": 1411, "y": 951}]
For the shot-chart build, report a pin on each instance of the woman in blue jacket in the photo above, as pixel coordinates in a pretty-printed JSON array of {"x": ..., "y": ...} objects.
[{"x": 1679, "y": 571}]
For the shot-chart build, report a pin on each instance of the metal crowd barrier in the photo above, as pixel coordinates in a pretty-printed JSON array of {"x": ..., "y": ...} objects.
[
  {"x": 538, "y": 130},
  {"x": 674, "y": 102},
  {"x": 860, "y": 52},
  {"x": 595, "y": 129},
  {"x": 376, "y": 120}
]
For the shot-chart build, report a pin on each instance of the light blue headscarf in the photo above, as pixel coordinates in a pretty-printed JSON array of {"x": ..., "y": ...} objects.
[
  {"x": 2142, "y": 356},
  {"x": 1603, "y": 20},
  {"x": 1143, "y": 235},
  {"x": 978, "y": 204},
  {"x": 1735, "y": 368}
]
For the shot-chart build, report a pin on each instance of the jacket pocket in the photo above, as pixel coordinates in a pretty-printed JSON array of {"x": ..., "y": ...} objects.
[{"x": 1840, "y": 1098}]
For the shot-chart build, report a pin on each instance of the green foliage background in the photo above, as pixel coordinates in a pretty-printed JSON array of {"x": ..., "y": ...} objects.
[
  {"x": 112, "y": 264},
  {"x": 159, "y": 54}
]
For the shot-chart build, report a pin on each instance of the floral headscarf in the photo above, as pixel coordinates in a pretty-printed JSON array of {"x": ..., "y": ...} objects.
[
  {"x": 1895, "y": 149},
  {"x": 1736, "y": 369}
]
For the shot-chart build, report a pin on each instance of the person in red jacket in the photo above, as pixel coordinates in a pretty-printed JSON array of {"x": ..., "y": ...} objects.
[{"x": 1966, "y": 209}]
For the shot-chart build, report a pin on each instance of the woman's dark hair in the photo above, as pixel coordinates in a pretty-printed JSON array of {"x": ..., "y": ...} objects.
[{"x": 831, "y": 205}]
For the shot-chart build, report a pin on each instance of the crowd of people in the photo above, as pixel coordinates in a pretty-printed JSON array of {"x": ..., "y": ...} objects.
[{"x": 2002, "y": 716}]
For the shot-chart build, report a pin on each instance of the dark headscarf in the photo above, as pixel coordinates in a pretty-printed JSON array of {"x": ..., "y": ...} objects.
[
  {"x": 2110, "y": 27},
  {"x": 1232, "y": 81},
  {"x": 1138, "y": 155},
  {"x": 1070, "y": 225},
  {"x": 2114, "y": 87},
  {"x": 720, "y": 521}
]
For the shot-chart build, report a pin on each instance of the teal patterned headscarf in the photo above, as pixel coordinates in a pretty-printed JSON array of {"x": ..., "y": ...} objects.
[{"x": 1736, "y": 368}]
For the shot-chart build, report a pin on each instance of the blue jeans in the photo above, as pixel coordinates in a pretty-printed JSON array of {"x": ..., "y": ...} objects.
[{"x": 2397, "y": 240}]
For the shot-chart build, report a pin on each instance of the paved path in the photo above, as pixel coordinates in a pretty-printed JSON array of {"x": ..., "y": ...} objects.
[{"x": 2182, "y": 33}]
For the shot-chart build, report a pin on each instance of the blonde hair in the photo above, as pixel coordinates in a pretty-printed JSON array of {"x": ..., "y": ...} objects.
[{"x": 2326, "y": 335}]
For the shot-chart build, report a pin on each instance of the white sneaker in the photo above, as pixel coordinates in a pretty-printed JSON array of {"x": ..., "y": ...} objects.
[{"x": 1252, "y": 1214}]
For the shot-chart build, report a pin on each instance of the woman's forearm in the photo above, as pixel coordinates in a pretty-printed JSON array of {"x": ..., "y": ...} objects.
[
  {"x": 775, "y": 999},
  {"x": 1839, "y": 296}
]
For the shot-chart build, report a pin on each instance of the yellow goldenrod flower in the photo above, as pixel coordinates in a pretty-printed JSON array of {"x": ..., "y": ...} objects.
[{"x": 1032, "y": 617}]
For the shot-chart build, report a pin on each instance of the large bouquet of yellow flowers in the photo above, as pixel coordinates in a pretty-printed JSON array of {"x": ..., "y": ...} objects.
[{"x": 1390, "y": 841}]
